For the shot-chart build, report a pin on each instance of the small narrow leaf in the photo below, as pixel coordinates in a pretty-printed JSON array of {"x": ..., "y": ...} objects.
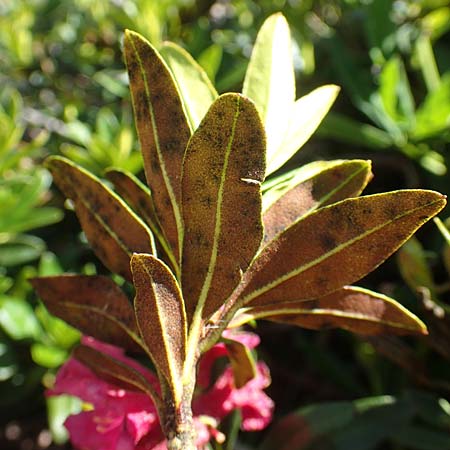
[
  {"x": 306, "y": 115},
  {"x": 111, "y": 227},
  {"x": 414, "y": 267},
  {"x": 196, "y": 89},
  {"x": 351, "y": 308},
  {"x": 93, "y": 304},
  {"x": 242, "y": 362},
  {"x": 343, "y": 180},
  {"x": 223, "y": 170},
  {"x": 161, "y": 317},
  {"x": 136, "y": 194},
  {"x": 270, "y": 82},
  {"x": 139, "y": 197},
  {"x": 115, "y": 371},
  {"x": 336, "y": 245},
  {"x": 163, "y": 131}
]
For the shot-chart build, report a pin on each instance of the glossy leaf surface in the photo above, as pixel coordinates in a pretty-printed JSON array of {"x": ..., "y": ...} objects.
[
  {"x": 337, "y": 245},
  {"x": 223, "y": 171},
  {"x": 306, "y": 115},
  {"x": 354, "y": 309},
  {"x": 113, "y": 230},
  {"x": 160, "y": 316},
  {"x": 336, "y": 183},
  {"x": 270, "y": 82},
  {"x": 93, "y": 304},
  {"x": 196, "y": 90},
  {"x": 162, "y": 128}
]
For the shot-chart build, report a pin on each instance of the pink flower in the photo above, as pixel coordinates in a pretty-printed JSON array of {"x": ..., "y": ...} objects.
[{"x": 122, "y": 419}]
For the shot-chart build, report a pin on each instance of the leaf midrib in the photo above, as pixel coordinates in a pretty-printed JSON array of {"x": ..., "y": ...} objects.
[
  {"x": 170, "y": 191},
  {"x": 269, "y": 286}
]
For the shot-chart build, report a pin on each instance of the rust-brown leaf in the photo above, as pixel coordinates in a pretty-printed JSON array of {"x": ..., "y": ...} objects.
[
  {"x": 336, "y": 245},
  {"x": 341, "y": 181},
  {"x": 93, "y": 304},
  {"x": 113, "y": 230},
  {"x": 139, "y": 197},
  {"x": 115, "y": 371},
  {"x": 351, "y": 308},
  {"x": 242, "y": 362},
  {"x": 162, "y": 128},
  {"x": 161, "y": 317},
  {"x": 223, "y": 169}
]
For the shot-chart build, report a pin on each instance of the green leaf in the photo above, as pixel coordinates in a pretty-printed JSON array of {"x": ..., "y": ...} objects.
[
  {"x": 111, "y": 227},
  {"x": 414, "y": 267},
  {"x": 93, "y": 304},
  {"x": 48, "y": 356},
  {"x": 115, "y": 371},
  {"x": 433, "y": 115},
  {"x": 336, "y": 182},
  {"x": 59, "y": 408},
  {"x": 242, "y": 362},
  {"x": 161, "y": 317},
  {"x": 347, "y": 130},
  {"x": 354, "y": 309},
  {"x": 270, "y": 82},
  {"x": 223, "y": 171},
  {"x": 163, "y": 131},
  {"x": 62, "y": 334},
  {"x": 17, "y": 319},
  {"x": 306, "y": 115},
  {"x": 194, "y": 86},
  {"x": 20, "y": 249},
  {"x": 336, "y": 245}
]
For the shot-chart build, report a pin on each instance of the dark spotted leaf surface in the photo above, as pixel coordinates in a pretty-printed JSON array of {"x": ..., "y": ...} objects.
[
  {"x": 113, "y": 230},
  {"x": 161, "y": 317},
  {"x": 242, "y": 362},
  {"x": 351, "y": 308},
  {"x": 139, "y": 197},
  {"x": 162, "y": 128},
  {"x": 336, "y": 245},
  {"x": 343, "y": 180},
  {"x": 93, "y": 304},
  {"x": 114, "y": 371},
  {"x": 223, "y": 170}
]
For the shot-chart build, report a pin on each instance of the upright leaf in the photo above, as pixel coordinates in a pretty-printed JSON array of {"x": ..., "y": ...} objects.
[
  {"x": 196, "y": 90},
  {"x": 351, "y": 308},
  {"x": 93, "y": 304},
  {"x": 163, "y": 131},
  {"x": 111, "y": 227},
  {"x": 337, "y": 245},
  {"x": 161, "y": 317},
  {"x": 223, "y": 171},
  {"x": 340, "y": 181},
  {"x": 306, "y": 115},
  {"x": 269, "y": 80}
]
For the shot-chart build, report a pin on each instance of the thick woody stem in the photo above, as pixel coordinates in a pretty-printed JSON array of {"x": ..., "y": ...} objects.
[{"x": 178, "y": 421}]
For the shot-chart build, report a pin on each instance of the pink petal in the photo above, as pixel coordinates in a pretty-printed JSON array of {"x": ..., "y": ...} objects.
[
  {"x": 88, "y": 431},
  {"x": 250, "y": 340}
]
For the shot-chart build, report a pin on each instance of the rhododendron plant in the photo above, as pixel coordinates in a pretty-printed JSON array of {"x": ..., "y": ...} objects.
[
  {"x": 216, "y": 240},
  {"x": 118, "y": 418}
]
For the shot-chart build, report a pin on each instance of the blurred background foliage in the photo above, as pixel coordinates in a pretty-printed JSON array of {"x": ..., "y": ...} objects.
[{"x": 63, "y": 90}]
